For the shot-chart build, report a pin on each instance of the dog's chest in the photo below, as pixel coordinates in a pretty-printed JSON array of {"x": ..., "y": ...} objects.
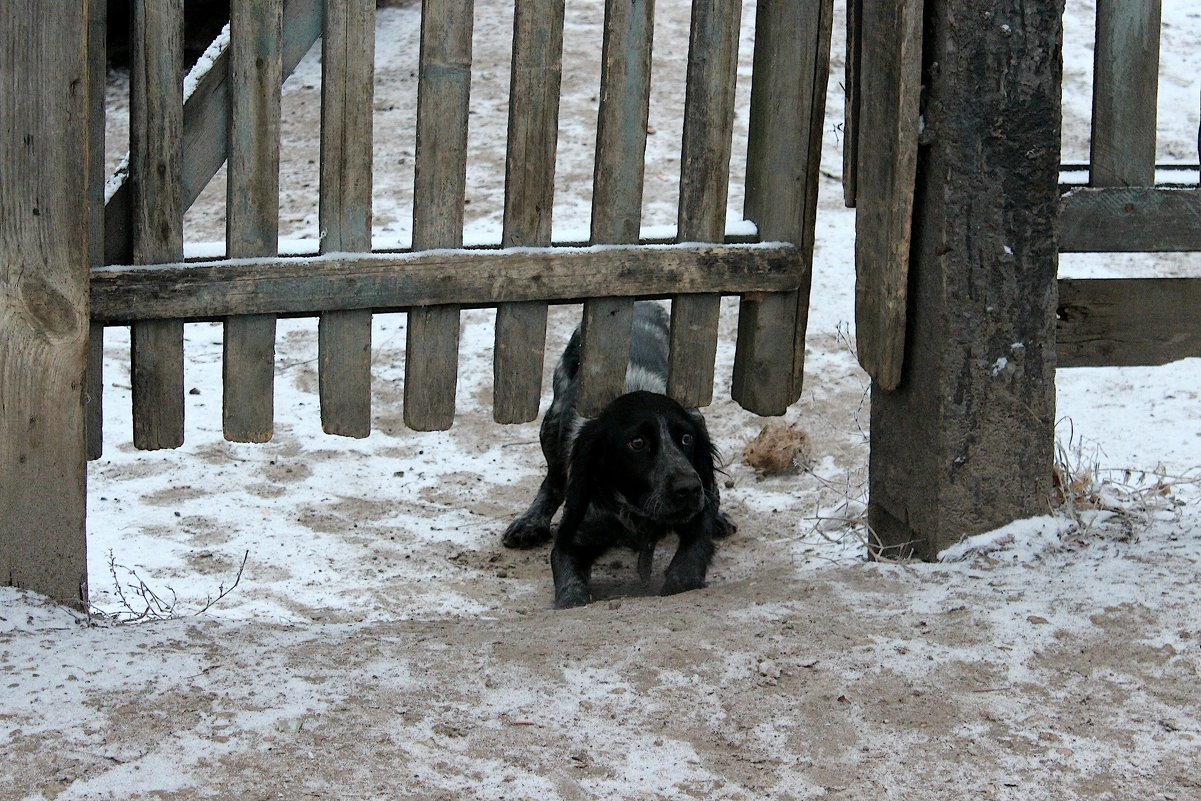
[{"x": 621, "y": 528}]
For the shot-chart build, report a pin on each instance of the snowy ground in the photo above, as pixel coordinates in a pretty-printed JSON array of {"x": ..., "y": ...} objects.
[{"x": 380, "y": 643}]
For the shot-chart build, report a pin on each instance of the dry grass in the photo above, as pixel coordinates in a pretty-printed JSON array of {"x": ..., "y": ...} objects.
[
  {"x": 1126, "y": 499},
  {"x": 779, "y": 450}
]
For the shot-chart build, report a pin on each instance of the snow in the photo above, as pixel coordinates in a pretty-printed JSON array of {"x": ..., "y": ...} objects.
[
  {"x": 205, "y": 63},
  {"x": 375, "y": 599}
]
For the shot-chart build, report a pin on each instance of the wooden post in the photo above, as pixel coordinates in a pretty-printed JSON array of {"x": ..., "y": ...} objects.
[
  {"x": 44, "y": 222},
  {"x": 965, "y": 442}
]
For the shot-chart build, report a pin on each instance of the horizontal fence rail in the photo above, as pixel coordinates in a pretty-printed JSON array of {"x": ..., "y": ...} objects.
[
  {"x": 1128, "y": 321},
  {"x": 404, "y": 281},
  {"x": 1139, "y": 219}
]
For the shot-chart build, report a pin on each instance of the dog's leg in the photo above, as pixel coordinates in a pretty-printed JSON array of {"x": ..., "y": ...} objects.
[
  {"x": 572, "y": 570},
  {"x": 724, "y": 526},
  {"x": 574, "y": 552},
  {"x": 533, "y": 527},
  {"x": 691, "y": 562},
  {"x": 646, "y": 561}
]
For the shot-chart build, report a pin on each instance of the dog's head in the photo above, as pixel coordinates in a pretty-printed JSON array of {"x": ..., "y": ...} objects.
[{"x": 644, "y": 454}]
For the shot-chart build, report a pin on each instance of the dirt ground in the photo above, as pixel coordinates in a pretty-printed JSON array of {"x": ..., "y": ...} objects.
[
  {"x": 861, "y": 681},
  {"x": 1069, "y": 673}
]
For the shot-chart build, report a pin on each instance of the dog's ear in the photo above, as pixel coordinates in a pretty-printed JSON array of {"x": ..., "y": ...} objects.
[
  {"x": 583, "y": 469},
  {"x": 704, "y": 453}
]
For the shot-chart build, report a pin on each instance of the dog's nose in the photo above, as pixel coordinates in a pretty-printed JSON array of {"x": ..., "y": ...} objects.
[{"x": 685, "y": 487}]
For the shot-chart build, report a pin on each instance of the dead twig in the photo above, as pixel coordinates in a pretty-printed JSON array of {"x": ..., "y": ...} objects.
[{"x": 140, "y": 602}]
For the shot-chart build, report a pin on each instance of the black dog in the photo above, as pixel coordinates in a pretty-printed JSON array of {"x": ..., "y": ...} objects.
[{"x": 643, "y": 468}]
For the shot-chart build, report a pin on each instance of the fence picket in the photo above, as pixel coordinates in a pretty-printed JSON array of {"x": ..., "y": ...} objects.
[
  {"x": 344, "y": 337},
  {"x": 440, "y": 176},
  {"x": 252, "y": 209},
  {"x": 704, "y": 180},
  {"x": 155, "y": 156},
  {"x": 788, "y": 98},
  {"x": 617, "y": 190},
  {"x": 890, "y": 90},
  {"x": 850, "y": 123},
  {"x": 1126, "y": 86},
  {"x": 97, "y": 74},
  {"x": 529, "y": 196}
]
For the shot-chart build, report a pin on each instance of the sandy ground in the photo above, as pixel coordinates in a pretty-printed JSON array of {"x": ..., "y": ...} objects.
[{"x": 382, "y": 644}]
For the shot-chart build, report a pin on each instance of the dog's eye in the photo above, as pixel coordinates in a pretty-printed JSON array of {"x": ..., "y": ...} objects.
[
  {"x": 637, "y": 444},
  {"x": 686, "y": 440}
]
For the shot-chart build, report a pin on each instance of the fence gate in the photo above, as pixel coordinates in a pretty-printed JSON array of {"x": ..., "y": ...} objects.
[
  {"x": 231, "y": 114},
  {"x": 1129, "y": 205},
  {"x": 952, "y": 160}
]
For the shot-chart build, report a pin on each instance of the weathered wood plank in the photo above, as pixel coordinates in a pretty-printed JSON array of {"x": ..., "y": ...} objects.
[
  {"x": 252, "y": 209},
  {"x": 704, "y": 180},
  {"x": 617, "y": 190},
  {"x": 155, "y": 156},
  {"x": 890, "y": 91},
  {"x": 440, "y": 176},
  {"x": 529, "y": 197},
  {"x": 211, "y": 290},
  {"x": 97, "y": 74},
  {"x": 788, "y": 98},
  {"x": 965, "y": 443},
  {"x": 1125, "y": 90},
  {"x": 850, "y": 124},
  {"x": 344, "y": 338},
  {"x": 206, "y": 127},
  {"x": 1128, "y": 321},
  {"x": 1130, "y": 219},
  {"x": 44, "y": 257}
]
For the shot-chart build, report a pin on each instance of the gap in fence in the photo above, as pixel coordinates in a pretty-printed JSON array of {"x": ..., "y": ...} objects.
[
  {"x": 1177, "y": 132},
  {"x": 300, "y": 150},
  {"x": 1129, "y": 265}
]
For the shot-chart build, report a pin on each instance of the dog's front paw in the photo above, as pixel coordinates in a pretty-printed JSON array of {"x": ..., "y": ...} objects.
[
  {"x": 573, "y": 596},
  {"x": 723, "y": 526},
  {"x": 525, "y": 533},
  {"x": 682, "y": 581}
]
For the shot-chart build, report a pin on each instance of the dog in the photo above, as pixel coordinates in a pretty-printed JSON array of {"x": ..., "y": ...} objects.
[{"x": 643, "y": 468}]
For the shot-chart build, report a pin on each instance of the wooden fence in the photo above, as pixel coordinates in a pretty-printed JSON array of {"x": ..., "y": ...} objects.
[
  {"x": 956, "y": 446},
  {"x": 1126, "y": 321},
  {"x": 232, "y": 115}
]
